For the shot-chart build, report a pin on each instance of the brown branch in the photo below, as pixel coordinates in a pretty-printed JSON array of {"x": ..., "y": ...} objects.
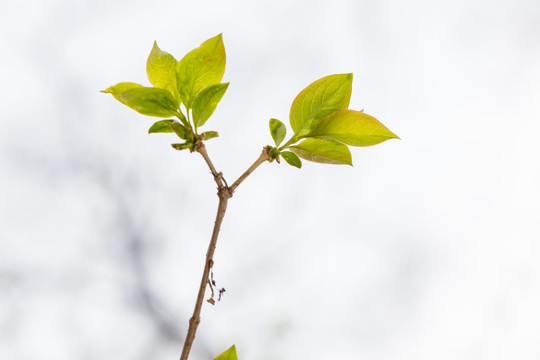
[
  {"x": 218, "y": 177},
  {"x": 224, "y": 197},
  {"x": 262, "y": 158},
  {"x": 224, "y": 193}
]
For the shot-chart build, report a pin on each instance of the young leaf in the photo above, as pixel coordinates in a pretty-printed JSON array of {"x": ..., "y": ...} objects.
[
  {"x": 273, "y": 152},
  {"x": 352, "y": 128},
  {"x": 120, "y": 88},
  {"x": 182, "y": 146},
  {"x": 207, "y": 135},
  {"x": 319, "y": 99},
  {"x": 161, "y": 70},
  {"x": 162, "y": 126},
  {"x": 323, "y": 151},
  {"x": 292, "y": 159},
  {"x": 230, "y": 354},
  {"x": 206, "y": 101},
  {"x": 145, "y": 100},
  {"x": 180, "y": 130},
  {"x": 278, "y": 131},
  {"x": 200, "y": 68}
]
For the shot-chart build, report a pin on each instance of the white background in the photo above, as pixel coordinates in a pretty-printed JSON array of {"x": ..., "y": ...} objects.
[{"x": 427, "y": 248}]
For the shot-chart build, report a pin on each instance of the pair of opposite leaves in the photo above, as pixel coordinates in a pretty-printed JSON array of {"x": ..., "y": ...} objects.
[{"x": 319, "y": 115}]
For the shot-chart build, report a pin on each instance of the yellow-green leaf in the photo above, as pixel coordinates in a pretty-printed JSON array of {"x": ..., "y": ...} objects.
[
  {"x": 206, "y": 101},
  {"x": 230, "y": 354},
  {"x": 319, "y": 99},
  {"x": 291, "y": 158},
  {"x": 182, "y": 146},
  {"x": 161, "y": 70},
  {"x": 162, "y": 126},
  {"x": 277, "y": 130},
  {"x": 207, "y": 135},
  {"x": 145, "y": 100},
  {"x": 120, "y": 88},
  {"x": 352, "y": 128},
  {"x": 200, "y": 68},
  {"x": 323, "y": 151}
]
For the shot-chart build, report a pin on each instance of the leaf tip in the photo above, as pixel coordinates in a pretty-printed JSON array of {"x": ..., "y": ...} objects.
[
  {"x": 229, "y": 354},
  {"x": 348, "y": 161},
  {"x": 391, "y": 135},
  {"x": 155, "y": 49},
  {"x": 107, "y": 90}
]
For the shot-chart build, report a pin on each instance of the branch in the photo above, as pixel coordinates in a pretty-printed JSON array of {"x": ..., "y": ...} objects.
[
  {"x": 224, "y": 196},
  {"x": 262, "y": 158},
  {"x": 218, "y": 177},
  {"x": 224, "y": 193}
]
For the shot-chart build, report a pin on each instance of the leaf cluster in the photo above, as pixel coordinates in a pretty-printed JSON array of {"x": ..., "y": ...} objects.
[
  {"x": 188, "y": 90},
  {"x": 324, "y": 127}
]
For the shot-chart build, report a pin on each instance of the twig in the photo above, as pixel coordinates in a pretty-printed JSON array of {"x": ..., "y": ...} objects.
[
  {"x": 262, "y": 158},
  {"x": 196, "y": 318},
  {"x": 218, "y": 177},
  {"x": 224, "y": 193}
]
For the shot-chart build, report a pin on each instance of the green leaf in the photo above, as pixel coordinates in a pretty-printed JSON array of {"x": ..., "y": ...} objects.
[
  {"x": 161, "y": 70},
  {"x": 319, "y": 99},
  {"x": 323, "y": 151},
  {"x": 206, "y": 101},
  {"x": 180, "y": 130},
  {"x": 292, "y": 159},
  {"x": 278, "y": 131},
  {"x": 120, "y": 88},
  {"x": 162, "y": 126},
  {"x": 200, "y": 68},
  {"x": 182, "y": 146},
  {"x": 207, "y": 135},
  {"x": 145, "y": 100},
  {"x": 230, "y": 354},
  {"x": 352, "y": 128}
]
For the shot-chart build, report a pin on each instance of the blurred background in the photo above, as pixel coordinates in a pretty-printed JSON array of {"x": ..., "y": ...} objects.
[{"x": 427, "y": 248}]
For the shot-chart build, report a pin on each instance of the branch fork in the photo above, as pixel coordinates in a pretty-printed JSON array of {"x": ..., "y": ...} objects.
[{"x": 225, "y": 192}]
